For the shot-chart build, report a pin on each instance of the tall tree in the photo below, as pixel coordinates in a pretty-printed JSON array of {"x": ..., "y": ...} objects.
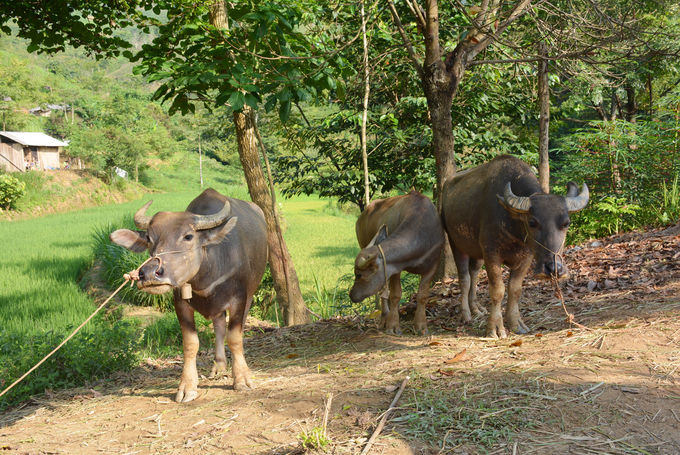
[{"x": 283, "y": 272}]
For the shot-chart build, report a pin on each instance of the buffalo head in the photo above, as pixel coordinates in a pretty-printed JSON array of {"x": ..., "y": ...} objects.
[
  {"x": 176, "y": 242},
  {"x": 369, "y": 269},
  {"x": 545, "y": 218}
]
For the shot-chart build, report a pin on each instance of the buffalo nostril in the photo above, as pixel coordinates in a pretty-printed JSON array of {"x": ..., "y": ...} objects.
[
  {"x": 159, "y": 272},
  {"x": 554, "y": 268}
]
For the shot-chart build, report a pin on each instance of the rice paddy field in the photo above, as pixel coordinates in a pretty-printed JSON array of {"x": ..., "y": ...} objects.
[{"x": 43, "y": 258}]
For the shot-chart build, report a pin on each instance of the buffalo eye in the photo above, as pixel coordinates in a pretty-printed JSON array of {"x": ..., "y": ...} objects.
[
  {"x": 189, "y": 237},
  {"x": 533, "y": 224},
  {"x": 566, "y": 224}
]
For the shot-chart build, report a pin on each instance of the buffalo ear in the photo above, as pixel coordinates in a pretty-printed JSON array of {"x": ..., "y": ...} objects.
[
  {"x": 215, "y": 235},
  {"x": 134, "y": 241},
  {"x": 364, "y": 260},
  {"x": 572, "y": 189},
  {"x": 379, "y": 237}
]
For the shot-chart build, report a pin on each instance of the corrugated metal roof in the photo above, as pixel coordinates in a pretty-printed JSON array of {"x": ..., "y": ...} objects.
[{"x": 33, "y": 139}]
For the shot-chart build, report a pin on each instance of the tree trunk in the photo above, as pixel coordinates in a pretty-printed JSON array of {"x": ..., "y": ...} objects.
[
  {"x": 544, "y": 121},
  {"x": 294, "y": 310},
  {"x": 631, "y": 106},
  {"x": 200, "y": 162},
  {"x": 364, "y": 118}
]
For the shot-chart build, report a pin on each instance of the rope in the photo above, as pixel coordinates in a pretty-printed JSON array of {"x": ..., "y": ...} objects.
[
  {"x": 553, "y": 277},
  {"x": 132, "y": 276}
]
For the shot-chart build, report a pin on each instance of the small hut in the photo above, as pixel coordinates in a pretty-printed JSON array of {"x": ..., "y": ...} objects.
[{"x": 29, "y": 151}]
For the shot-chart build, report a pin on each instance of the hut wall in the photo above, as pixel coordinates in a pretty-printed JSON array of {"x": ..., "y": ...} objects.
[
  {"x": 12, "y": 157},
  {"x": 48, "y": 157}
]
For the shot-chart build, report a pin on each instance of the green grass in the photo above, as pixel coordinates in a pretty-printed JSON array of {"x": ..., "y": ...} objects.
[{"x": 323, "y": 246}]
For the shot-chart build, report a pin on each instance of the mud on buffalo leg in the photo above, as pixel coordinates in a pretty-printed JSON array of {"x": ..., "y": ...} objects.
[
  {"x": 188, "y": 385},
  {"x": 512, "y": 316},
  {"x": 392, "y": 325},
  {"x": 220, "y": 366},
  {"x": 240, "y": 370},
  {"x": 494, "y": 326}
]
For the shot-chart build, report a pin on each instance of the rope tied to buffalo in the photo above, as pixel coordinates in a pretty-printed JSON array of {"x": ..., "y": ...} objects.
[
  {"x": 131, "y": 277},
  {"x": 553, "y": 277}
]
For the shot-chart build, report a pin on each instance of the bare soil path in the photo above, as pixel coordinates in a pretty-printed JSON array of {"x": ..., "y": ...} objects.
[{"x": 613, "y": 387}]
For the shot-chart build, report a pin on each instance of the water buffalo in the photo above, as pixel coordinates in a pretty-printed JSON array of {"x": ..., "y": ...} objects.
[
  {"x": 498, "y": 214},
  {"x": 401, "y": 233},
  {"x": 218, "y": 247}
]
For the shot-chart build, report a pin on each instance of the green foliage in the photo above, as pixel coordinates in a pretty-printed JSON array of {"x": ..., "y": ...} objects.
[
  {"x": 315, "y": 439},
  {"x": 670, "y": 210},
  {"x": 11, "y": 190},
  {"x": 627, "y": 166},
  {"x": 163, "y": 337},
  {"x": 610, "y": 215},
  {"x": 270, "y": 65},
  {"x": 492, "y": 115},
  {"x": 116, "y": 261},
  {"x": 327, "y": 303},
  {"x": 90, "y": 355},
  {"x": 264, "y": 299}
]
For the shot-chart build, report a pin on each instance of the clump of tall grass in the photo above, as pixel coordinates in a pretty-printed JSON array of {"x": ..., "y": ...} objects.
[{"x": 116, "y": 261}]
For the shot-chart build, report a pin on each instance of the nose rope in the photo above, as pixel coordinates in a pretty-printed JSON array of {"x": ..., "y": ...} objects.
[
  {"x": 382, "y": 253},
  {"x": 556, "y": 255},
  {"x": 160, "y": 260}
]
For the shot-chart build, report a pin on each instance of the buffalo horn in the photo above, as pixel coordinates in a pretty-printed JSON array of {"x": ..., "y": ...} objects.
[
  {"x": 576, "y": 203},
  {"x": 519, "y": 203},
  {"x": 141, "y": 220},
  {"x": 210, "y": 221}
]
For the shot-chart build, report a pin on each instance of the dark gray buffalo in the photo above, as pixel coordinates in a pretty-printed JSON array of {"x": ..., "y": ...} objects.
[
  {"x": 218, "y": 246},
  {"x": 498, "y": 214},
  {"x": 401, "y": 233}
]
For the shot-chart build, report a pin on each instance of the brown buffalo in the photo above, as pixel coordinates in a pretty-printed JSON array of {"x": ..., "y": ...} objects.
[
  {"x": 217, "y": 250},
  {"x": 401, "y": 233},
  {"x": 498, "y": 214}
]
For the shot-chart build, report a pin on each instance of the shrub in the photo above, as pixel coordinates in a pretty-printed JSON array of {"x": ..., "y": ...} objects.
[
  {"x": 90, "y": 355},
  {"x": 627, "y": 166},
  {"x": 116, "y": 261},
  {"x": 11, "y": 189}
]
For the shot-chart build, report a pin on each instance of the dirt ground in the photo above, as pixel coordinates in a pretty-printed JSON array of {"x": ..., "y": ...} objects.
[{"x": 612, "y": 386}]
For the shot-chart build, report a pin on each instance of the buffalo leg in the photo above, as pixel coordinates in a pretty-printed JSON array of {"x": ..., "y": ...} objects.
[
  {"x": 462, "y": 264},
  {"x": 240, "y": 370},
  {"x": 494, "y": 326},
  {"x": 512, "y": 316},
  {"x": 420, "y": 323},
  {"x": 220, "y": 325},
  {"x": 383, "y": 304},
  {"x": 475, "y": 307},
  {"x": 188, "y": 385},
  {"x": 392, "y": 325}
]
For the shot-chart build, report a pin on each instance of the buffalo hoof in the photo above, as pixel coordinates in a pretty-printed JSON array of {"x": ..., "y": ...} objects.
[
  {"x": 477, "y": 309},
  {"x": 219, "y": 369},
  {"x": 183, "y": 397},
  {"x": 494, "y": 330},
  {"x": 242, "y": 387},
  {"x": 521, "y": 328},
  {"x": 394, "y": 331},
  {"x": 422, "y": 332}
]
